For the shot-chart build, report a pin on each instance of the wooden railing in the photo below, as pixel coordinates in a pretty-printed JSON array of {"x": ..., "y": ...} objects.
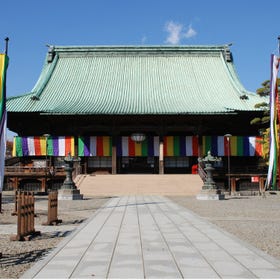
[
  {"x": 31, "y": 170},
  {"x": 201, "y": 172}
]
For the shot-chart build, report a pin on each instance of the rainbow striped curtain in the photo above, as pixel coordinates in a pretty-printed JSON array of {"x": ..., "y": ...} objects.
[
  {"x": 61, "y": 145},
  {"x": 127, "y": 147},
  {"x": 102, "y": 146},
  {"x": 29, "y": 146},
  {"x": 36, "y": 146},
  {"x": 180, "y": 146},
  {"x": 94, "y": 146},
  {"x": 239, "y": 145}
]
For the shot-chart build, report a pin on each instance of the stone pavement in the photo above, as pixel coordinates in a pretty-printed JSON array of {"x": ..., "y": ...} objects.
[{"x": 152, "y": 237}]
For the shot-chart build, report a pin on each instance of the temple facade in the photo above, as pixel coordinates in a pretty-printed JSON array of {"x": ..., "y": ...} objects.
[{"x": 137, "y": 109}]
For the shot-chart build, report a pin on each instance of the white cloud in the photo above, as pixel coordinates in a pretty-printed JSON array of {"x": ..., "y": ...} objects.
[
  {"x": 174, "y": 30},
  {"x": 177, "y": 32},
  {"x": 143, "y": 39},
  {"x": 190, "y": 32}
]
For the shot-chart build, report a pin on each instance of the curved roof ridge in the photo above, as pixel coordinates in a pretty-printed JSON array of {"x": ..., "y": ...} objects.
[
  {"x": 231, "y": 70},
  {"x": 149, "y": 48},
  {"x": 141, "y": 80},
  {"x": 44, "y": 77}
]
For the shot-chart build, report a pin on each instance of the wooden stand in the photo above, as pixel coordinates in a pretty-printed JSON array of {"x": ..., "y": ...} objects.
[
  {"x": 52, "y": 210},
  {"x": 25, "y": 214}
]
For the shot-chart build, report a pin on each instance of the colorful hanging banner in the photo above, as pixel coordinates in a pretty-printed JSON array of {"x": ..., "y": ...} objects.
[
  {"x": 4, "y": 61},
  {"x": 60, "y": 145},
  {"x": 192, "y": 146},
  {"x": 94, "y": 146},
  {"x": 37, "y": 146},
  {"x": 180, "y": 146},
  {"x": 102, "y": 146},
  {"x": 274, "y": 135},
  {"x": 29, "y": 146},
  {"x": 127, "y": 147},
  {"x": 238, "y": 145}
]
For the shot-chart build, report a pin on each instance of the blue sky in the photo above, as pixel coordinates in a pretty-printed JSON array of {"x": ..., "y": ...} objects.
[{"x": 252, "y": 27}]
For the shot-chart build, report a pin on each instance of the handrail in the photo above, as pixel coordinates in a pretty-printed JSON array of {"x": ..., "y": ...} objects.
[
  {"x": 31, "y": 169},
  {"x": 201, "y": 172}
]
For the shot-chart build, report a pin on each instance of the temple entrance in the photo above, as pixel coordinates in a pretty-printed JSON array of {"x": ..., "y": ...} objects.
[{"x": 138, "y": 165}]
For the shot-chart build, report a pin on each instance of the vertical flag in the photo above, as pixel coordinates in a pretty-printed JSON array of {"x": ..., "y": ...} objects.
[
  {"x": 273, "y": 153},
  {"x": 4, "y": 60}
]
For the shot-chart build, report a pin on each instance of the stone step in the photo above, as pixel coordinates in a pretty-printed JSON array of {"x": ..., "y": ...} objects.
[{"x": 140, "y": 184}]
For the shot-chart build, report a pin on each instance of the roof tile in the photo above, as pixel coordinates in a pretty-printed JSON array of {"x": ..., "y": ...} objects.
[{"x": 136, "y": 80}]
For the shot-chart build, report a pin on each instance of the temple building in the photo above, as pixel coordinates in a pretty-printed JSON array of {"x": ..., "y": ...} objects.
[{"x": 137, "y": 109}]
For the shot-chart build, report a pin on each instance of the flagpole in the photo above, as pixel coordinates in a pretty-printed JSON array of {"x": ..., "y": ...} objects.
[
  {"x": 7, "y": 43},
  {"x": 279, "y": 45},
  {"x": 274, "y": 158},
  {"x": 278, "y": 114},
  {"x": 4, "y": 100}
]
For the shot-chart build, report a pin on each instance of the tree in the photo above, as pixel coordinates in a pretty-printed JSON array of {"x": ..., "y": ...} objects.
[{"x": 263, "y": 121}]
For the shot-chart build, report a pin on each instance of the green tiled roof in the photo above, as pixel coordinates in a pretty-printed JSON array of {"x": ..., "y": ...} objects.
[{"x": 136, "y": 80}]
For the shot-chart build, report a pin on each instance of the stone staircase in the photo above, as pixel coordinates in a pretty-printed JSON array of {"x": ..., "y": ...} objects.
[{"x": 115, "y": 185}]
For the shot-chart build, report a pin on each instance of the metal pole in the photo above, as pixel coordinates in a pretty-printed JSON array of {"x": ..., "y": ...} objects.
[
  {"x": 46, "y": 167},
  {"x": 229, "y": 184},
  {"x": 228, "y": 152},
  {"x": 6, "y": 46},
  {"x": 279, "y": 45},
  {"x": 278, "y": 135},
  {"x": 4, "y": 101}
]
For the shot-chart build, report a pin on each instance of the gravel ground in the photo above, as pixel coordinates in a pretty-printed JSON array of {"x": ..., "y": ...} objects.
[
  {"x": 253, "y": 219},
  {"x": 19, "y": 256}
]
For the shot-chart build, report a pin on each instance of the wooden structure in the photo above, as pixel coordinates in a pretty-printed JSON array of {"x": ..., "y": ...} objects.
[
  {"x": 25, "y": 217},
  {"x": 131, "y": 109},
  {"x": 52, "y": 209},
  {"x": 257, "y": 179},
  {"x": 33, "y": 178}
]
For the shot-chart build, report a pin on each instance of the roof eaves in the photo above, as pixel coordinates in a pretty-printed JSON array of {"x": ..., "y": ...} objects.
[
  {"x": 44, "y": 77},
  {"x": 229, "y": 65},
  {"x": 224, "y": 112},
  {"x": 19, "y": 96}
]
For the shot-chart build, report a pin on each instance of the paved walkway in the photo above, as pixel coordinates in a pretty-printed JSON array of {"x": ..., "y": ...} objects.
[{"x": 152, "y": 237}]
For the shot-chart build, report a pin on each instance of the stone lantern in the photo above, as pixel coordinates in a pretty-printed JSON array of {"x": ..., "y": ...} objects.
[
  {"x": 68, "y": 190},
  {"x": 210, "y": 190}
]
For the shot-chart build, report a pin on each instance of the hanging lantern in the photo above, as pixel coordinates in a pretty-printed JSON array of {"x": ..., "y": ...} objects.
[{"x": 138, "y": 137}]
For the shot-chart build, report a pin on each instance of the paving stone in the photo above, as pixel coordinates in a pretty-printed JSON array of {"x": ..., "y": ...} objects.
[{"x": 152, "y": 237}]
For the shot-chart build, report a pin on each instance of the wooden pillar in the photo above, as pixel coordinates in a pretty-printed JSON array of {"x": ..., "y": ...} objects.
[
  {"x": 114, "y": 155},
  {"x": 44, "y": 184},
  {"x": 15, "y": 183},
  {"x": 200, "y": 147},
  {"x": 85, "y": 165},
  {"x": 161, "y": 156},
  {"x": 233, "y": 186},
  {"x": 261, "y": 184}
]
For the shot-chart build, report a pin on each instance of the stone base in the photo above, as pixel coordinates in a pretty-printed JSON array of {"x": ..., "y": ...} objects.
[
  {"x": 210, "y": 195},
  {"x": 66, "y": 194}
]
